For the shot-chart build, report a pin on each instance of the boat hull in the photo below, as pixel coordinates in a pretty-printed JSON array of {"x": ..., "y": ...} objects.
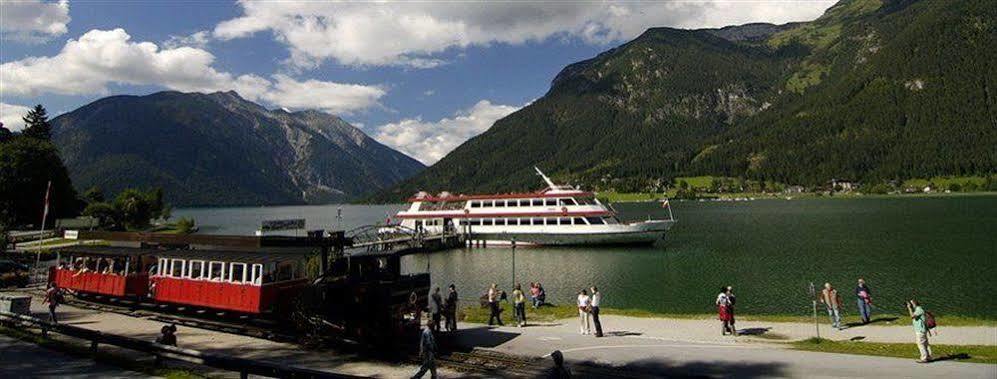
[{"x": 644, "y": 233}]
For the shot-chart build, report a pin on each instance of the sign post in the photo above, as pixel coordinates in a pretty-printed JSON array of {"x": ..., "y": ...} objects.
[{"x": 813, "y": 297}]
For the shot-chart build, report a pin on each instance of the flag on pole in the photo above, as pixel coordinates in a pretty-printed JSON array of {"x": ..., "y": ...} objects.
[{"x": 48, "y": 192}]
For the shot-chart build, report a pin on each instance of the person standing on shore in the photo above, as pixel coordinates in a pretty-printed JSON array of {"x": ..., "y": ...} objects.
[
  {"x": 723, "y": 311},
  {"x": 53, "y": 297},
  {"x": 451, "y": 308},
  {"x": 731, "y": 305},
  {"x": 519, "y": 304},
  {"x": 596, "y": 299},
  {"x": 584, "y": 309},
  {"x": 919, "y": 318},
  {"x": 830, "y": 298},
  {"x": 864, "y": 301},
  {"x": 427, "y": 351},
  {"x": 493, "y": 305},
  {"x": 435, "y": 309}
]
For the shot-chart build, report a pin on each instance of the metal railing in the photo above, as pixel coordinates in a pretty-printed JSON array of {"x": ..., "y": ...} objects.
[{"x": 244, "y": 367}]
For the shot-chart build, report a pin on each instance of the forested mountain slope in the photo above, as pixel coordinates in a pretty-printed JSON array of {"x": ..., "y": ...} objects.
[{"x": 872, "y": 90}]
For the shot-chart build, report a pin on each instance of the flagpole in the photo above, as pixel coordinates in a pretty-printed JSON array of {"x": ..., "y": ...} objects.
[{"x": 41, "y": 233}]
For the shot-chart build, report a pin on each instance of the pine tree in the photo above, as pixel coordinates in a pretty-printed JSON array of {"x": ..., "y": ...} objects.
[
  {"x": 36, "y": 124},
  {"x": 5, "y": 134}
]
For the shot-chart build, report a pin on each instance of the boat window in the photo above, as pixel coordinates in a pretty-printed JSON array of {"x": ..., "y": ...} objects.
[
  {"x": 195, "y": 269},
  {"x": 475, "y": 204},
  {"x": 550, "y": 202},
  {"x": 611, "y": 220},
  {"x": 513, "y": 221},
  {"x": 486, "y": 221},
  {"x": 257, "y": 274},
  {"x": 578, "y": 221},
  {"x": 564, "y": 221},
  {"x": 595, "y": 220},
  {"x": 567, "y": 201},
  {"x": 237, "y": 272},
  {"x": 216, "y": 271},
  {"x": 536, "y": 202},
  {"x": 538, "y": 221},
  {"x": 584, "y": 201},
  {"x": 475, "y": 221},
  {"x": 176, "y": 268},
  {"x": 500, "y": 221}
]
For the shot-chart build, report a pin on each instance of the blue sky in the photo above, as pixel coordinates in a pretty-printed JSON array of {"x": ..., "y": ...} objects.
[{"x": 420, "y": 76}]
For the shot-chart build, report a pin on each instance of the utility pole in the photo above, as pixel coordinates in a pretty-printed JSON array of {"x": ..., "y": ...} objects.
[
  {"x": 813, "y": 297},
  {"x": 513, "y": 262}
]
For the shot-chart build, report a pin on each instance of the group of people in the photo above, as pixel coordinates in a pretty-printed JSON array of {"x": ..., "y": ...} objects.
[
  {"x": 443, "y": 308},
  {"x": 107, "y": 265},
  {"x": 725, "y": 310},
  {"x": 832, "y": 303},
  {"x": 588, "y": 311}
]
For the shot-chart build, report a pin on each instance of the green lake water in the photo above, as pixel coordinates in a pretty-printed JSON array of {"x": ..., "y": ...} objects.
[{"x": 939, "y": 249}]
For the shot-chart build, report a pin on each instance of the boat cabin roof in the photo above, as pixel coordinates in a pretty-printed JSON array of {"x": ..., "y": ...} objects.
[{"x": 207, "y": 255}]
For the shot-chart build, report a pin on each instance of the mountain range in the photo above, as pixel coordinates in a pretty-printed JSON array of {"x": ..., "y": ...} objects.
[
  {"x": 220, "y": 149},
  {"x": 873, "y": 90}
]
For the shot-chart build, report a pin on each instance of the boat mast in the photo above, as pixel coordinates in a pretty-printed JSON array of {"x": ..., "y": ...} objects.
[{"x": 546, "y": 179}]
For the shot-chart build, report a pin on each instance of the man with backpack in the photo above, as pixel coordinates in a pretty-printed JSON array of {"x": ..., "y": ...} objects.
[{"x": 923, "y": 322}]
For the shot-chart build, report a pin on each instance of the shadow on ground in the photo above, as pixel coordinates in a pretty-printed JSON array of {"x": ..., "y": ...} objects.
[
  {"x": 873, "y": 321},
  {"x": 661, "y": 368}
]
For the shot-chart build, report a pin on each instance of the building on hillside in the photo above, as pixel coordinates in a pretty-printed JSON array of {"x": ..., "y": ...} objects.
[
  {"x": 842, "y": 185},
  {"x": 794, "y": 189}
]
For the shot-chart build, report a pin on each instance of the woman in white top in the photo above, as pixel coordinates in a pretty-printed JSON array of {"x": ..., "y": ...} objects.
[{"x": 584, "y": 307}]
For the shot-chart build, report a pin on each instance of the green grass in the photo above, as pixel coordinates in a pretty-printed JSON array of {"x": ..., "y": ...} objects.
[
  {"x": 559, "y": 312},
  {"x": 962, "y": 353},
  {"x": 944, "y": 181},
  {"x": 83, "y": 351}
]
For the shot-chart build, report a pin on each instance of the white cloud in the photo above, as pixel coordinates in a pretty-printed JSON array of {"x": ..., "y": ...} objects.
[
  {"x": 198, "y": 40},
  {"x": 410, "y": 33},
  {"x": 104, "y": 57},
  {"x": 428, "y": 92},
  {"x": 11, "y": 116},
  {"x": 33, "y": 20},
  {"x": 430, "y": 141}
]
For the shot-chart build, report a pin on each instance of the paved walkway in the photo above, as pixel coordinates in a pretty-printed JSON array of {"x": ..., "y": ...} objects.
[
  {"x": 230, "y": 344},
  {"x": 26, "y": 360},
  {"x": 695, "y": 347}
]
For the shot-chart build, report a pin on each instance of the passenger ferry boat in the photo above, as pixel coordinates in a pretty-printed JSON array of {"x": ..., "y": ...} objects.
[{"x": 557, "y": 215}]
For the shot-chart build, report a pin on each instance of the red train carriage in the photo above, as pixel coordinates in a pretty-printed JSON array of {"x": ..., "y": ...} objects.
[
  {"x": 111, "y": 271},
  {"x": 247, "y": 282}
]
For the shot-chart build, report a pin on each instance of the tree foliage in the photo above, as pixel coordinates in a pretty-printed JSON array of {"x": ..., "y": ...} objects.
[
  {"x": 26, "y": 167},
  {"x": 36, "y": 124}
]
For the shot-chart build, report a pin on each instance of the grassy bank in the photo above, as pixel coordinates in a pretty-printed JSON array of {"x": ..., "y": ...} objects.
[
  {"x": 962, "y": 353},
  {"x": 82, "y": 351},
  {"x": 558, "y": 312}
]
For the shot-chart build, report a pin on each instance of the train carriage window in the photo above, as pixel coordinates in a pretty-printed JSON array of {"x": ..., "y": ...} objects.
[
  {"x": 162, "y": 267},
  {"x": 237, "y": 272},
  {"x": 216, "y": 271},
  {"x": 257, "y": 274},
  {"x": 177, "y": 268},
  {"x": 578, "y": 221},
  {"x": 285, "y": 271},
  {"x": 195, "y": 269}
]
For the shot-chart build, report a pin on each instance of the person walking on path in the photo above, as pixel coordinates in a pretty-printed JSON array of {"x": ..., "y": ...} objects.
[
  {"x": 830, "y": 298},
  {"x": 919, "y": 318},
  {"x": 451, "y": 308},
  {"x": 596, "y": 299},
  {"x": 435, "y": 309},
  {"x": 427, "y": 351},
  {"x": 584, "y": 310},
  {"x": 53, "y": 297},
  {"x": 519, "y": 303},
  {"x": 493, "y": 305},
  {"x": 723, "y": 311},
  {"x": 864, "y": 301}
]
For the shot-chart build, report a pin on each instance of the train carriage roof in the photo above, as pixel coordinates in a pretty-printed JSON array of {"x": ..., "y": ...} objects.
[{"x": 207, "y": 255}]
